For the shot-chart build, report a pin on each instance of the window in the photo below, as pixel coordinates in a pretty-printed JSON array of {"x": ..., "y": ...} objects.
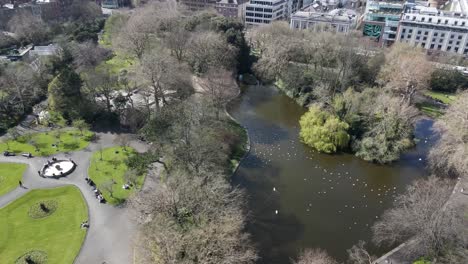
[
  {"x": 417, "y": 37},
  {"x": 402, "y": 36},
  {"x": 435, "y": 34},
  {"x": 423, "y": 44},
  {"x": 433, "y": 40},
  {"x": 441, "y": 40},
  {"x": 458, "y": 43},
  {"x": 449, "y": 48},
  {"x": 426, "y": 32},
  {"x": 438, "y": 21},
  {"x": 463, "y": 23},
  {"x": 432, "y": 46},
  {"x": 456, "y": 22},
  {"x": 446, "y": 21},
  {"x": 422, "y": 19},
  {"x": 442, "y": 35},
  {"x": 439, "y": 47},
  {"x": 452, "y": 36},
  {"x": 425, "y": 38},
  {"x": 465, "y": 51},
  {"x": 409, "y": 36},
  {"x": 430, "y": 19},
  {"x": 404, "y": 30},
  {"x": 450, "y": 42},
  {"x": 410, "y": 31},
  {"x": 456, "y": 49},
  {"x": 419, "y": 32},
  {"x": 459, "y": 37}
]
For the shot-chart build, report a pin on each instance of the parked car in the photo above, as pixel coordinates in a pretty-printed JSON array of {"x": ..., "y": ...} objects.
[{"x": 7, "y": 153}]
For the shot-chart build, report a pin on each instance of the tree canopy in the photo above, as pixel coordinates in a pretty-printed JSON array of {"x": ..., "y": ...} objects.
[{"x": 323, "y": 131}]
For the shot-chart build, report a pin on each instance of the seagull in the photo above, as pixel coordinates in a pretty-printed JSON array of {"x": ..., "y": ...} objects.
[
  {"x": 274, "y": 189},
  {"x": 276, "y": 211}
]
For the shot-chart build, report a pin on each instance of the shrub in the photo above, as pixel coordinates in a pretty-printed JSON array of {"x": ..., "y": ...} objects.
[
  {"x": 33, "y": 256},
  {"x": 43, "y": 209}
]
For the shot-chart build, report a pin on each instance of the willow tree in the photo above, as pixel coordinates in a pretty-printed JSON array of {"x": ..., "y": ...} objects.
[{"x": 323, "y": 131}]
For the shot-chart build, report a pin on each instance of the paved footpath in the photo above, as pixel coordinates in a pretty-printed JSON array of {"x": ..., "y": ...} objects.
[{"x": 109, "y": 237}]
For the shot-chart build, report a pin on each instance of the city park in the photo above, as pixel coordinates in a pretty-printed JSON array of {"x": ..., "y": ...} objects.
[{"x": 61, "y": 193}]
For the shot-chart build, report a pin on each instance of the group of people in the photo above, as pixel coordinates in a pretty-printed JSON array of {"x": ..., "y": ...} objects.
[
  {"x": 97, "y": 193},
  {"x": 84, "y": 224}
]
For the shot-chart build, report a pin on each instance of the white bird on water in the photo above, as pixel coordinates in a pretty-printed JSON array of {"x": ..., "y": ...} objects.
[
  {"x": 274, "y": 189},
  {"x": 276, "y": 211}
]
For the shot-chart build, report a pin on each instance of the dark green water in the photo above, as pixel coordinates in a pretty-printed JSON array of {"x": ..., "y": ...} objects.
[{"x": 323, "y": 201}]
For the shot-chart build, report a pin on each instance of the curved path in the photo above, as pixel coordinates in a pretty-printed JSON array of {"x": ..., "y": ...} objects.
[{"x": 109, "y": 237}]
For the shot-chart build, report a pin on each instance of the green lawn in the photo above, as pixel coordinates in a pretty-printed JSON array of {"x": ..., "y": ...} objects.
[
  {"x": 67, "y": 140},
  {"x": 445, "y": 98},
  {"x": 59, "y": 234},
  {"x": 10, "y": 175},
  {"x": 112, "y": 167},
  {"x": 116, "y": 64}
]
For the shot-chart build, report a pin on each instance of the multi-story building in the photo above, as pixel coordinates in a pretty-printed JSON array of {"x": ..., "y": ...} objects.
[
  {"x": 231, "y": 8},
  {"x": 381, "y": 20},
  {"x": 434, "y": 30},
  {"x": 258, "y": 12},
  {"x": 313, "y": 18},
  {"x": 197, "y": 5}
]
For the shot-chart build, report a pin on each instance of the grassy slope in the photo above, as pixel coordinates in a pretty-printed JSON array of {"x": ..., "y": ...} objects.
[
  {"x": 445, "y": 98},
  {"x": 70, "y": 140},
  {"x": 59, "y": 234},
  {"x": 112, "y": 167},
  {"x": 434, "y": 110},
  {"x": 10, "y": 174}
]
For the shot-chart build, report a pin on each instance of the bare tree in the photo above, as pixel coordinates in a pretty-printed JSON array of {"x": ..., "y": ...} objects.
[
  {"x": 108, "y": 186},
  {"x": 406, "y": 71},
  {"x": 88, "y": 55},
  {"x": 219, "y": 87},
  {"x": 359, "y": 255},
  {"x": 101, "y": 85},
  {"x": 177, "y": 41},
  {"x": 422, "y": 215},
  {"x": 28, "y": 28},
  {"x": 19, "y": 79},
  {"x": 131, "y": 177},
  {"x": 164, "y": 76},
  {"x": 123, "y": 140},
  {"x": 315, "y": 256},
  {"x": 185, "y": 207},
  {"x": 135, "y": 36},
  {"x": 450, "y": 156},
  {"x": 210, "y": 50}
]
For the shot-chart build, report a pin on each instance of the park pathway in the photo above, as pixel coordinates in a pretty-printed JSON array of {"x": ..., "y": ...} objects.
[{"x": 109, "y": 237}]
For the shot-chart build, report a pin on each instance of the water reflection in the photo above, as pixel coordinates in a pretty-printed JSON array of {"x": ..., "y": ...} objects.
[{"x": 326, "y": 201}]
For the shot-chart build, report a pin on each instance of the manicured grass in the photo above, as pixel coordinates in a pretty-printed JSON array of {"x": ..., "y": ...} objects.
[
  {"x": 10, "y": 175},
  {"x": 67, "y": 140},
  {"x": 112, "y": 167},
  {"x": 445, "y": 98},
  {"x": 59, "y": 235}
]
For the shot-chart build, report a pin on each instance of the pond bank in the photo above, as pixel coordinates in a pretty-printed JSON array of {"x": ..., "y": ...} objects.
[{"x": 300, "y": 198}]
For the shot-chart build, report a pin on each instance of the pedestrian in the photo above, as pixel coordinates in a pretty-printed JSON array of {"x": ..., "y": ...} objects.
[{"x": 20, "y": 184}]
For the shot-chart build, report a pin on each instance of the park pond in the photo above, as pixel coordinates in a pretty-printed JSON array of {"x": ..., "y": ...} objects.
[{"x": 299, "y": 198}]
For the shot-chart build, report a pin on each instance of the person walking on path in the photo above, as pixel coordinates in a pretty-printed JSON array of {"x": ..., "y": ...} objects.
[{"x": 20, "y": 184}]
